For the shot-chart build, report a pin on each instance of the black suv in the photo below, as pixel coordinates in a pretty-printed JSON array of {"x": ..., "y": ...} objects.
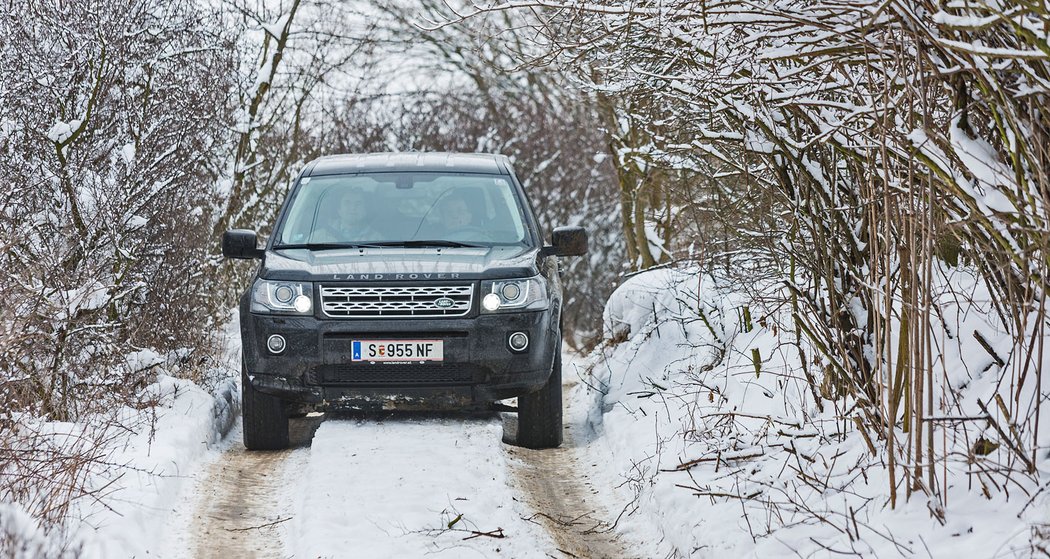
[{"x": 407, "y": 280}]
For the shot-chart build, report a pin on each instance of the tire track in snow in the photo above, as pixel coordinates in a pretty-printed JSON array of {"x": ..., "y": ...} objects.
[
  {"x": 563, "y": 498},
  {"x": 240, "y": 512},
  {"x": 246, "y": 499}
]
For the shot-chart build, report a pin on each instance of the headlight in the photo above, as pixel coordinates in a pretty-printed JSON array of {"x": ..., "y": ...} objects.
[
  {"x": 282, "y": 297},
  {"x": 528, "y": 294}
]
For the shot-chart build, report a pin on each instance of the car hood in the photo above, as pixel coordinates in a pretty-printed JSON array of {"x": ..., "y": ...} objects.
[{"x": 399, "y": 264}]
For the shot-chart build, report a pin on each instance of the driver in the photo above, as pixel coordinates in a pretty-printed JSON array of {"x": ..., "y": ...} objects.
[{"x": 353, "y": 223}]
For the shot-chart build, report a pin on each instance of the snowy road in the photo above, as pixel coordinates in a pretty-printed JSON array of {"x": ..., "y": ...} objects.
[
  {"x": 566, "y": 501},
  {"x": 243, "y": 501},
  {"x": 401, "y": 485}
]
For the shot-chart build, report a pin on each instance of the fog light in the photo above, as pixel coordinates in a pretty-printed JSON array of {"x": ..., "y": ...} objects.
[
  {"x": 276, "y": 343},
  {"x": 490, "y": 302},
  {"x": 518, "y": 341}
]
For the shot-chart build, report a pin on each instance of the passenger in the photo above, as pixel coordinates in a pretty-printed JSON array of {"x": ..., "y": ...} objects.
[{"x": 456, "y": 215}]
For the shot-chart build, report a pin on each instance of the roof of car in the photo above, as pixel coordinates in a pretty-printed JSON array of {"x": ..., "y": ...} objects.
[{"x": 486, "y": 163}]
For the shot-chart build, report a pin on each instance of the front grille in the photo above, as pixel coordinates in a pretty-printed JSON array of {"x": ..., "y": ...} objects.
[
  {"x": 396, "y": 374},
  {"x": 369, "y": 302}
]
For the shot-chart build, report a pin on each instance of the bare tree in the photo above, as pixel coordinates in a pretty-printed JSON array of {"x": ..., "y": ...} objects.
[
  {"x": 460, "y": 89},
  {"x": 298, "y": 55},
  {"x": 112, "y": 120},
  {"x": 883, "y": 142}
]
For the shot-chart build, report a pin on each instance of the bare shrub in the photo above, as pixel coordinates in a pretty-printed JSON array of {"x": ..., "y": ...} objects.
[
  {"x": 854, "y": 151},
  {"x": 113, "y": 117}
]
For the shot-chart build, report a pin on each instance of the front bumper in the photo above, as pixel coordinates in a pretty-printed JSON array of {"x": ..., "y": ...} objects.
[{"x": 478, "y": 367}]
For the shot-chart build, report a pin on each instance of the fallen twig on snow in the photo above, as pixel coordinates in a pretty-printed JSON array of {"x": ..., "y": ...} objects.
[
  {"x": 497, "y": 533},
  {"x": 267, "y": 525}
]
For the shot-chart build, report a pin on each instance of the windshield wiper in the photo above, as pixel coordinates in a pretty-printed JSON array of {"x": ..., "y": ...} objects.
[
  {"x": 421, "y": 243},
  {"x": 329, "y": 246}
]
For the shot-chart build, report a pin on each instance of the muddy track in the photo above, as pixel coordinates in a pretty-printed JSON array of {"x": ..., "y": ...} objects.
[
  {"x": 563, "y": 498},
  {"x": 239, "y": 513},
  {"x": 243, "y": 506}
]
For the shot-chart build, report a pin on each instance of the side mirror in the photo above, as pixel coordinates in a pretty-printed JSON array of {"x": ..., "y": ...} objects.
[
  {"x": 567, "y": 241},
  {"x": 240, "y": 243}
]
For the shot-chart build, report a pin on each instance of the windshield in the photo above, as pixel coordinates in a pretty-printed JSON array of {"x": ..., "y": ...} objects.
[{"x": 404, "y": 209}]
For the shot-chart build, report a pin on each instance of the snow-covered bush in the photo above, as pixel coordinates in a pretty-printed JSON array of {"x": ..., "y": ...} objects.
[
  {"x": 112, "y": 127},
  {"x": 843, "y": 153},
  {"x": 709, "y": 416},
  {"x": 112, "y": 122}
]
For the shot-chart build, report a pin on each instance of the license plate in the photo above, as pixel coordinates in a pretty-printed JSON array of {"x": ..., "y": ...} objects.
[{"x": 397, "y": 350}]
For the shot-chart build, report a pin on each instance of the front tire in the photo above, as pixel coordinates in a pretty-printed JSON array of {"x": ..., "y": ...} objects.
[
  {"x": 540, "y": 413},
  {"x": 265, "y": 419}
]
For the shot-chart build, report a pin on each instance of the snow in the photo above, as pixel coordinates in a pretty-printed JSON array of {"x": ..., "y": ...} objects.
[
  {"x": 61, "y": 131},
  {"x": 704, "y": 454},
  {"x": 156, "y": 460},
  {"x": 277, "y": 27},
  {"x": 128, "y": 153},
  {"x": 143, "y": 469},
  {"x": 136, "y": 222},
  {"x": 989, "y": 200},
  {"x": 144, "y": 456},
  {"x": 18, "y": 526},
  {"x": 390, "y": 488},
  {"x": 963, "y": 21},
  {"x": 262, "y": 76},
  {"x": 712, "y": 454},
  {"x": 379, "y": 486},
  {"x": 89, "y": 296},
  {"x": 982, "y": 161},
  {"x": 143, "y": 359},
  {"x": 977, "y": 48}
]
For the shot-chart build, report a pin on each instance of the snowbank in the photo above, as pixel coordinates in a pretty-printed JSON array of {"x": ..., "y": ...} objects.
[
  {"x": 704, "y": 409},
  {"x": 152, "y": 465},
  {"x": 133, "y": 466},
  {"x": 130, "y": 466}
]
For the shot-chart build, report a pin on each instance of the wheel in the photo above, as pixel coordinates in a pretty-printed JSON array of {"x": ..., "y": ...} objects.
[
  {"x": 540, "y": 414},
  {"x": 265, "y": 419}
]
